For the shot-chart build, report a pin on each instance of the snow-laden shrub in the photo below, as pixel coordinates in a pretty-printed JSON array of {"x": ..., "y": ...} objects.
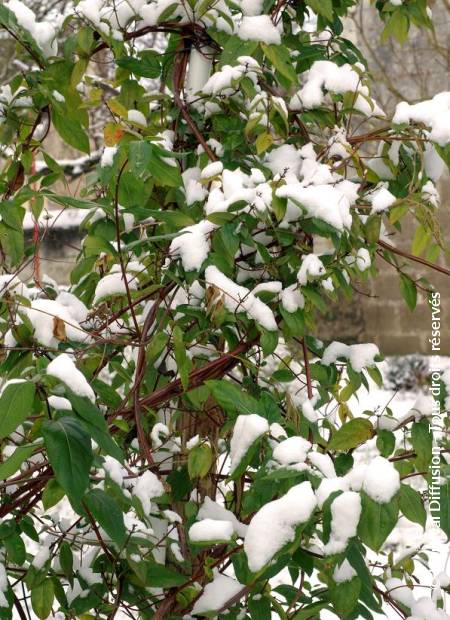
[
  {"x": 177, "y": 440},
  {"x": 407, "y": 372}
]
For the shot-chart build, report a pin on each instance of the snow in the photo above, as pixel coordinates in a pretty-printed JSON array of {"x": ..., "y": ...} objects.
[
  {"x": 329, "y": 486},
  {"x": 268, "y": 287},
  {"x": 208, "y": 530},
  {"x": 41, "y": 557},
  {"x": 344, "y": 572},
  {"x": 285, "y": 159},
  {"x": 193, "y": 245},
  {"x": 443, "y": 579},
  {"x": 381, "y": 480},
  {"x": 59, "y": 403},
  {"x": 212, "y": 510},
  {"x": 58, "y": 96},
  {"x": 323, "y": 462},
  {"x": 158, "y": 430},
  {"x": 192, "y": 442},
  {"x": 194, "y": 190},
  {"x": 345, "y": 514},
  {"x": 359, "y": 355},
  {"x": 75, "y": 306},
  {"x": 146, "y": 488},
  {"x": 292, "y": 299},
  {"x": 42, "y": 32},
  {"x": 328, "y": 284},
  {"x": 247, "y": 429},
  {"x": 281, "y": 518},
  {"x": 434, "y": 113},
  {"x": 311, "y": 266},
  {"x": 216, "y": 594},
  {"x": 113, "y": 469},
  {"x": 323, "y": 202},
  {"x": 4, "y": 583},
  {"x": 12, "y": 284},
  {"x": 63, "y": 368},
  {"x": 400, "y": 592},
  {"x": 363, "y": 261},
  {"x": 381, "y": 199},
  {"x": 327, "y": 75},
  {"x": 221, "y": 82},
  {"x": 259, "y": 28},
  {"x": 433, "y": 163},
  {"x": 422, "y": 608},
  {"x": 56, "y": 219},
  {"x": 291, "y": 450},
  {"x": 172, "y": 516},
  {"x": 251, "y": 7},
  {"x": 113, "y": 284},
  {"x": 135, "y": 116},
  {"x": 238, "y": 298},
  {"x": 431, "y": 194},
  {"x": 44, "y": 315},
  {"x": 212, "y": 170},
  {"x": 107, "y": 158},
  {"x": 422, "y": 407}
]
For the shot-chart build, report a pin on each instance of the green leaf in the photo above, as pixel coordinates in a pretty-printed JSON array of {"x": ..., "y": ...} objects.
[
  {"x": 344, "y": 596},
  {"x": 351, "y": 434},
  {"x": 377, "y": 521},
  {"x": 183, "y": 361},
  {"x": 156, "y": 575},
  {"x": 157, "y": 345},
  {"x": 140, "y": 155},
  {"x": 42, "y": 597},
  {"x": 356, "y": 559},
  {"x": 12, "y": 464},
  {"x": 235, "y": 47},
  {"x": 147, "y": 64},
  {"x": 322, "y": 7},
  {"x": 8, "y": 20},
  {"x": 71, "y": 131},
  {"x": 12, "y": 242},
  {"x": 443, "y": 513},
  {"x": 108, "y": 514},
  {"x": 70, "y": 454},
  {"x": 375, "y": 374},
  {"x": 232, "y": 398},
  {"x": 268, "y": 340},
  {"x": 15, "y": 548},
  {"x": 15, "y": 406},
  {"x": 280, "y": 57},
  {"x": 311, "y": 612},
  {"x": 200, "y": 460},
  {"x": 94, "y": 423},
  {"x": 411, "y": 505},
  {"x": 385, "y": 442},
  {"x": 422, "y": 441},
  {"x": 66, "y": 558},
  {"x": 52, "y": 494},
  {"x": 145, "y": 156},
  {"x": 409, "y": 291},
  {"x": 420, "y": 240},
  {"x": 161, "y": 577},
  {"x": 397, "y": 26}
]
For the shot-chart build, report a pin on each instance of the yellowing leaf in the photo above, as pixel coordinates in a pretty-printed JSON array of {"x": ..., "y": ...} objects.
[
  {"x": 263, "y": 141},
  {"x": 112, "y": 133}
]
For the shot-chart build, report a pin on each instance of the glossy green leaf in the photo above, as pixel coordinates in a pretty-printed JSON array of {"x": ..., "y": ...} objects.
[{"x": 70, "y": 454}]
